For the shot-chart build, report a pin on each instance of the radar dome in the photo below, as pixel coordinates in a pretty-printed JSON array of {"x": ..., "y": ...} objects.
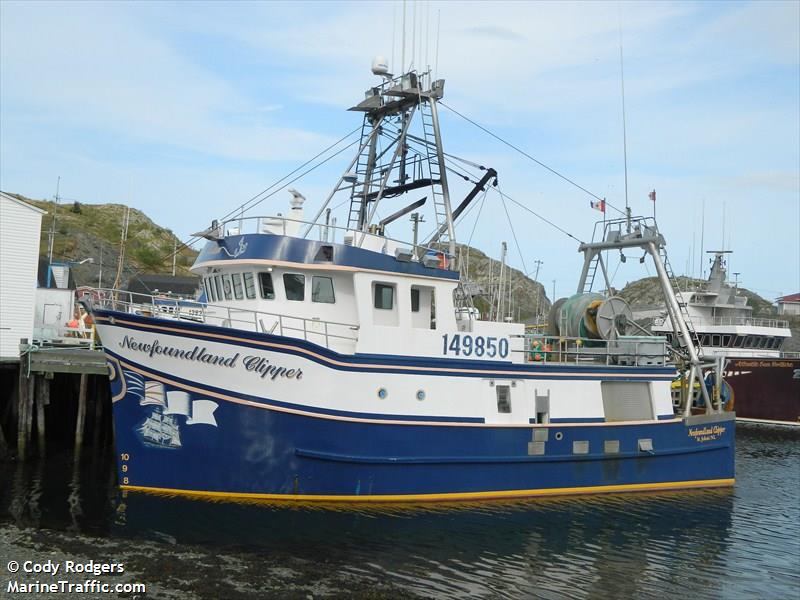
[{"x": 380, "y": 66}]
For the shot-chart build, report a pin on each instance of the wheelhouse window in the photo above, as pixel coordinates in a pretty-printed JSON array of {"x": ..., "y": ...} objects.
[
  {"x": 322, "y": 289},
  {"x": 384, "y": 296},
  {"x": 265, "y": 286},
  {"x": 226, "y": 286},
  {"x": 249, "y": 286},
  {"x": 414, "y": 299},
  {"x": 295, "y": 286},
  {"x": 238, "y": 289},
  {"x": 218, "y": 285},
  {"x": 738, "y": 341}
]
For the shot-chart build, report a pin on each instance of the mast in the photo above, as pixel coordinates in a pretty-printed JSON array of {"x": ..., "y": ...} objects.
[{"x": 400, "y": 154}]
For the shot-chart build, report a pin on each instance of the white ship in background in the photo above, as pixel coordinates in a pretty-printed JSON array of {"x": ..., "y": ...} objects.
[{"x": 765, "y": 382}]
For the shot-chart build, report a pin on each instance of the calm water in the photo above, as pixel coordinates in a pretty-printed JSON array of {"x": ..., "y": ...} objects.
[{"x": 739, "y": 543}]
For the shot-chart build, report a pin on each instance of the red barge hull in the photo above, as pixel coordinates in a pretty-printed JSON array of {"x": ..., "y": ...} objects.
[{"x": 765, "y": 388}]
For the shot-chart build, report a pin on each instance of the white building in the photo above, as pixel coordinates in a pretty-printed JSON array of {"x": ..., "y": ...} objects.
[{"x": 20, "y": 228}]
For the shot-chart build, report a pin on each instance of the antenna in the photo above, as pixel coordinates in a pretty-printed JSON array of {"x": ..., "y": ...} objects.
[
  {"x": 438, "y": 29},
  {"x": 394, "y": 28},
  {"x": 403, "y": 51},
  {"x": 624, "y": 132},
  {"x": 52, "y": 235}
]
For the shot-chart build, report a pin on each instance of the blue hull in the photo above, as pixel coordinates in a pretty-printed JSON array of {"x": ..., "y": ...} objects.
[{"x": 253, "y": 451}]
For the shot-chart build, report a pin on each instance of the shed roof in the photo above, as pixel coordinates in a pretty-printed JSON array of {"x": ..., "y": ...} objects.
[
  {"x": 7, "y": 196},
  {"x": 789, "y": 298}
]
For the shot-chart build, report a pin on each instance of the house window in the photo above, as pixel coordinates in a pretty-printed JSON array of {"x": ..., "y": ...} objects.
[
  {"x": 218, "y": 282},
  {"x": 265, "y": 286},
  {"x": 226, "y": 286},
  {"x": 738, "y": 341},
  {"x": 414, "y": 299},
  {"x": 748, "y": 341},
  {"x": 384, "y": 296},
  {"x": 503, "y": 398},
  {"x": 238, "y": 291},
  {"x": 322, "y": 289},
  {"x": 249, "y": 285},
  {"x": 726, "y": 340},
  {"x": 295, "y": 286},
  {"x": 715, "y": 339}
]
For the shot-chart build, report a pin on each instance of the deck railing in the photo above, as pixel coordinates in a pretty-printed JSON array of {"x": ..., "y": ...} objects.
[
  {"x": 732, "y": 322},
  {"x": 326, "y": 333},
  {"x": 631, "y": 350}
]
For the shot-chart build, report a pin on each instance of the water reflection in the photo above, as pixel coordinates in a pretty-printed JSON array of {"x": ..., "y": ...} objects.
[
  {"x": 612, "y": 544},
  {"x": 714, "y": 543}
]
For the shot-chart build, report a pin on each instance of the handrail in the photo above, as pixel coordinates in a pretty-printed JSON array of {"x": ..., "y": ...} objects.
[
  {"x": 323, "y": 226},
  {"x": 651, "y": 350},
  {"x": 733, "y": 321},
  {"x": 190, "y": 309}
]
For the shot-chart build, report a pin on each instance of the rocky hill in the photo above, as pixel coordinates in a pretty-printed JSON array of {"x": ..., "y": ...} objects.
[
  {"x": 93, "y": 231},
  {"x": 528, "y": 297}
]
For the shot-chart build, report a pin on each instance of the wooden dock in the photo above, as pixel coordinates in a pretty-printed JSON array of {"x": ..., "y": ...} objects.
[{"x": 43, "y": 375}]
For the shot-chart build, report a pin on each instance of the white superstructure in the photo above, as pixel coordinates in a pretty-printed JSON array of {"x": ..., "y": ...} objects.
[{"x": 724, "y": 323}]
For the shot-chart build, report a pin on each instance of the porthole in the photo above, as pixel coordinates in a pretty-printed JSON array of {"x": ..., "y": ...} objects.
[
  {"x": 420, "y": 395},
  {"x": 559, "y": 436},
  {"x": 382, "y": 393}
]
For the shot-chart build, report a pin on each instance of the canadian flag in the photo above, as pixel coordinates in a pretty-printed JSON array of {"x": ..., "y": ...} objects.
[
  {"x": 652, "y": 195},
  {"x": 599, "y": 205}
]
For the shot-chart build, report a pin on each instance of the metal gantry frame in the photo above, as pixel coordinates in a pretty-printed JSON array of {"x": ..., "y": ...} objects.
[{"x": 642, "y": 233}]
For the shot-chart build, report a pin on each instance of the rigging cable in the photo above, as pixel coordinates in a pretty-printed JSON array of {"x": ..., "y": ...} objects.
[
  {"x": 194, "y": 239},
  {"x": 514, "y": 234},
  {"x": 538, "y": 162}
]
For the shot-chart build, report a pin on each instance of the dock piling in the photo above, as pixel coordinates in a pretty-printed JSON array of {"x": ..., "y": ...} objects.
[
  {"x": 22, "y": 401},
  {"x": 42, "y": 400},
  {"x": 81, "y": 415}
]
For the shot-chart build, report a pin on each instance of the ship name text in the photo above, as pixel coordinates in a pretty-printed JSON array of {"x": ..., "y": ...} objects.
[{"x": 254, "y": 364}]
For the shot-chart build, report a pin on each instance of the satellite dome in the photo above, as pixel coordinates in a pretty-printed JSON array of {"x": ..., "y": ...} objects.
[{"x": 380, "y": 65}]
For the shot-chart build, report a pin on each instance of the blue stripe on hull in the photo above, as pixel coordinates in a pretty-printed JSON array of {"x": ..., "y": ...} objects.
[{"x": 253, "y": 450}]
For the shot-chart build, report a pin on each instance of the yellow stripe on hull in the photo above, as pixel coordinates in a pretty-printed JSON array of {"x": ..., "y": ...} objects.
[{"x": 447, "y": 497}]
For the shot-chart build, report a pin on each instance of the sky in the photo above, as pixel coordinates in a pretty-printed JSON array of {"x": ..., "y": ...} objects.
[{"x": 187, "y": 110}]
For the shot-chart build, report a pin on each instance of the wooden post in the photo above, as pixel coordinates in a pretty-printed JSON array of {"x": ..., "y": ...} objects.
[
  {"x": 81, "y": 416},
  {"x": 42, "y": 400},
  {"x": 98, "y": 415},
  {"x": 22, "y": 397},
  {"x": 29, "y": 409},
  {"x": 3, "y": 443}
]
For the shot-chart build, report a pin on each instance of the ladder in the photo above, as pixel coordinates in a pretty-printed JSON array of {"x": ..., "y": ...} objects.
[
  {"x": 681, "y": 305},
  {"x": 589, "y": 283},
  {"x": 357, "y": 192},
  {"x": 429, "y": 134}
]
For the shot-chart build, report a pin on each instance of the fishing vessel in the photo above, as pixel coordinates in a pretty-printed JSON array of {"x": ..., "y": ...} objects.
[
  {"x": 764, "y": 381},
  {"x": 336, "y": 363}
]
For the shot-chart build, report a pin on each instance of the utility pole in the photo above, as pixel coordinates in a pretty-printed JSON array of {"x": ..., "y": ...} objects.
[
  {"x": 52, "y": 235},
  {"x": 123, "y": 239},
  {"x": 538, "y": 264}
]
